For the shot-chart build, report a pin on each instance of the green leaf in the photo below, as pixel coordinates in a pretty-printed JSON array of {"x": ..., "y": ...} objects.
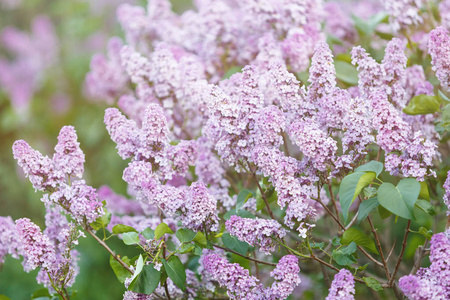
[
  {"x": 102, "y": 221},
  {"x": 426, "y": 233},
  {"x": 200, "y": 239},
  {"x": 442, "y": 96},
  {"x": 344, "y": 256},
  {"x": 185, "y": 248},
  {"x": 231, "y": 71},
  {"x": 360, "y": 238},
  {"x": 121, "y": 228},
  {"x": 372, "y": 166},
  {"x": 336, "y": 241},
  {"x": 424, "y": 193},
  {"x": 367, "y": 28},
  {"x": 198, "y": 250},
  {"x": 148, "y": 233},
  {"x": 176, "y": 271},
  {"x": 233, "y": 243},
  {"x": 39, "y": 293},
  {"x": 445, "y": 117},
  {"x": 161, "y": 230},
  {"x": 130, "y": 238},
  {"x": 243, "y": 196},
  {"x": 366, "y": 207},
  {"x": 185, "y": 235},
  {"x": 315, "y": 245},
  {"x": 426, "y": 206},
  {"x": 119, "y": 270},
  {"x": 147, "y": 280},
  {"x": 346, "y": 72},
  {"x": 241, "y": 213},
  {"x": 350, "y": 188},
  {"x": 422, "y": 105},
  {"x": 362, "y": 268},
  {"x": 384, "y": 213},
  {"x": 3, "y": 297},
  {"x": 369, "y": 191},
  {"x": 373, "y": 283},
  {"x": 139, "y": 266},
  {"x": 399, "y": 199}
]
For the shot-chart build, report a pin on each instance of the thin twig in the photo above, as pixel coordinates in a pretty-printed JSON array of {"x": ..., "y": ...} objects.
[
  {"x": 377, "y": 240},
  {"x": 246, "y": 257},
  {"x": 353, "y": 221},
  {"x": 419, "y": 255},
  {"x": 401, "y": 254},
  {"x": 390, "y": 252},
  {"x": 263, "y": 195},
  {"x": 103, "y": 244}
]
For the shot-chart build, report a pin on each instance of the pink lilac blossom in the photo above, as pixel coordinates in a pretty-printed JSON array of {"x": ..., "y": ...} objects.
[
  {"x": 37, "y": 247},
  {"x": 439, "y": 49},
  {"x": 287, "y": 277},
  {"x": 106, "y": 79},
  {"x": 342, "y": 287},
  {"x": 444, "y": 11},
  {"x": 9, "y": 245},
  {"x": 322, "y": 74},
  {"x": 256, "y": 232},
  {"x": 119, "y": 204},
  {"x": 68, "y": 157},
  {"x": 447, "y": 193},
  {"x": 403, "y": 13},
  {"x": 237, "y": 280},
  {"x": 432, "y": 282},
  {"x": 201, "y": 209},
  {"x": 38, "y": 168},
  {"x": 315, "y": 144}
]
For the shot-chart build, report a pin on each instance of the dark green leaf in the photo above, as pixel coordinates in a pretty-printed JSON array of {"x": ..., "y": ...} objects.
[
  {"x": 243, "y": 196},
  {"x": 198, "y": 250},
  {"x": 350, "y": 188},
  {"x": 317, "y": 245},
  {"x": 148, "y": 233},
  {"x": 362, "y": 268},
  {"x": 426, "y": 206},
  {"x": 39, "y": 293},
  {"x": 171, "y": 246},
  {"x": 366, "y": 207},
  {"x": 147, "y": 281},
  {"x": 185, "y": 248},
  {"x": 233, "y": 243},
  {"x": 119, "y": 270},
  {"x": 384, "y": 213},
  {"x": 344, "y": 256},
  {"x": 200, "y": 239},
  {"x": 346, "y": 72},
  {"x": 130, "y": 238},
  {"x": 185, "y": 235},
  {"x": 121, "y": 228},
  {"x": 161, "y": 230},
  {"x": 336, "y": 241},
  {"x": 360, "y": 238},
  {"x": 372, "y": 166},
  {"x": 373, "y": 283},
  {"x": 400, "y": 199},
  {"x": 422, "y": 105},
  {"x": 176, "y": 271}
]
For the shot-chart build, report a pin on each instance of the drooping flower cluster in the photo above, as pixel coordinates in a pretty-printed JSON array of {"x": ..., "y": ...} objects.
[
  {"x": 286, "y": 275},
  {"x": 342, "y": 287},
  {"x": 432, "y": 282},
  {"x": 447, "y": 193},
  {"x": 256, "y": 232},
  {"x": 439, "y": 49},
  {"x": 9, "y": 245}
]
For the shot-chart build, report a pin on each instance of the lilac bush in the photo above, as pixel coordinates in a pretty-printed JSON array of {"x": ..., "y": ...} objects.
[{"x": 264, "y": 141}]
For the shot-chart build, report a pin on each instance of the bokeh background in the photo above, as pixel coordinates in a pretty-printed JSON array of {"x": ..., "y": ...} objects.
[{"x": 47, "y": 66}]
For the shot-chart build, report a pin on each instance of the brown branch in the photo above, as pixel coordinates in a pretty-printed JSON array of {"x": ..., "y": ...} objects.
[
  {"x": 419, "y": 257},
  {"x": 377, "y": 239},
  {"x": 401, "y": 254},
  {"x": 103, "y": 244},
  {"x": 246, "y": 257}
]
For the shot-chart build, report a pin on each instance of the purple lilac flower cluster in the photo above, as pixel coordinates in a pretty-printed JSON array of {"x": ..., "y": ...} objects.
[
  {"x": 256, "y": 232},
  {"x": 241, "y": 285},
  {"x": 432, "y": 282},
  {"x": 343, "y": 286}
]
